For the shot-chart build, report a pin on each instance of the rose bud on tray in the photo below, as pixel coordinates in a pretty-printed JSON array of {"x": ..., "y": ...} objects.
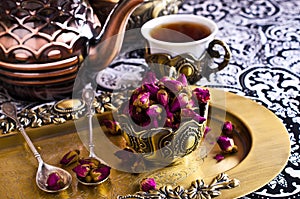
[{"x": 70, "y": 157}]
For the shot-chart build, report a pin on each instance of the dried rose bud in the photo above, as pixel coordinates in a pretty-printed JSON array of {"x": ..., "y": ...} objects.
[
  {"x": 206, "y": 131},
  {"x": 151, "y": 88},
  {"x": 148, "y": 84},
  {"x": 148, "y": 184},
  {"x": 95, "y": 175},
  {"x": 113, "y": 127},
  {"x": 55, "y": 181},
  {"x": 182, "y": 78},
  {"x": 202, "y": 95},
  {"x": 154, "y": 112},
  {"x": 92, "y": 162},
  {"x": 142, "y": 101},
  {"x": 227, "y": 128},
  {"x": 135, "y": 94},
  {"x": 219, "y": 157},
  {"x": 181, "y": 101},
  {"x": 82, "y": 170},
  {"x": 226, "y": 144},
  {"x": 149, "y": 78},
  {"x": 163, "y": 79},
  {"x": 170, "y": 119},
  {"x": 100, "y": 173},
  {"x": 162, "y": 97},
  {"x": 173, "y": 85},
  {"x": 188, "y": 113},
  {"x": 70, "y": 157}
]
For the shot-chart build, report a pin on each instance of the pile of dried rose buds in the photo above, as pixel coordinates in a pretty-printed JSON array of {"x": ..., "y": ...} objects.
[
  {"x": 89, "y": 170},
  {"x": 225, "y": 141},
  {"x": 166, "y": 103},
  {"x": 55, "y": 182}
]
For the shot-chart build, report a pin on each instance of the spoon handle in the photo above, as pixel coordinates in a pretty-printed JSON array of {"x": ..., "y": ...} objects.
[
  {"x": 88, "y": 96},
  {"x": 10, "y": 111}
]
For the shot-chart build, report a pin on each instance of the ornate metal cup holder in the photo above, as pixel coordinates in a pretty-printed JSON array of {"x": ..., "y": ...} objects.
[
  {"x": 160, "y": 147},
  {"x": 194, "y": 68}
]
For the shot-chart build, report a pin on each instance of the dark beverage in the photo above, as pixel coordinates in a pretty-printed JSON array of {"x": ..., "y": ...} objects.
[{"x": 179, "y": 32}]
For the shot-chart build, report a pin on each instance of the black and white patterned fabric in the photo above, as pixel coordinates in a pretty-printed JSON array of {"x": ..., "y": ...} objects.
[{"x": 264, "y": 38}]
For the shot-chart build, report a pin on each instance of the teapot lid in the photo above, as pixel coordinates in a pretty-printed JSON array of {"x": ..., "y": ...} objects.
[{"x": 43, "y": 31}]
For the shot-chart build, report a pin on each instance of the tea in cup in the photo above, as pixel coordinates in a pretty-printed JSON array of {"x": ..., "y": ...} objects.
[{"x": 185, "y": 42}]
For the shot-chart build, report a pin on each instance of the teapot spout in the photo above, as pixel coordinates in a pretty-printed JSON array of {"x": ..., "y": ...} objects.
[{"x": 112, "y": 35}]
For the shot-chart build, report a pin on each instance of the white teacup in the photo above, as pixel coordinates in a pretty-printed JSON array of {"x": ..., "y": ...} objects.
[
  {"x": 195, "y": 47},
  {"x": 181, "y": 35}
]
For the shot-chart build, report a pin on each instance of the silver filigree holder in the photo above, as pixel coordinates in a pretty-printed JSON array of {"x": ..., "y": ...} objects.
[{"x": 192, "y": 67}]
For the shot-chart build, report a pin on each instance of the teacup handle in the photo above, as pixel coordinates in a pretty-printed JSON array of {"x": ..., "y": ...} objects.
[{"x": 215, "y": 54}]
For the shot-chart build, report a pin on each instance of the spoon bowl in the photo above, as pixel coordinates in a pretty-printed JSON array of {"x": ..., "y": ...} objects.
[
  {"x": 92, "y": 183},
  {"x": 44, "y": 170}
]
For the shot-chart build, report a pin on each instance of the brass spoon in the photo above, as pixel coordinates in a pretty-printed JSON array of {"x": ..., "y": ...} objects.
[
  {"x": 44, "y": 170},
  {"x": 88, "y": 96}
]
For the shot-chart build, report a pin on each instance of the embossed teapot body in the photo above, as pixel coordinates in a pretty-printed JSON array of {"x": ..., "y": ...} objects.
[{"x": 43, "y": 43}]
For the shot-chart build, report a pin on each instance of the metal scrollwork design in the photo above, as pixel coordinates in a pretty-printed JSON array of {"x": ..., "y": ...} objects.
[
  {"x": 198, "y": 189},
  {"x": 162, "y": 144},
  {"x": 187, "y": 64},
  {"x": 215, "y": 54},
  {"x": 55, "y": 113}
]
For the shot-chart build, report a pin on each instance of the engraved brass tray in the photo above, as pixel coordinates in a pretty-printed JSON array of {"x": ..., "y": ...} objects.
[{"x": 262, "y": 140}]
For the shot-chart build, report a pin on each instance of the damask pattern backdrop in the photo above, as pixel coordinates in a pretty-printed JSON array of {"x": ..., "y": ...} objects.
[{"x": 264, "y": 37}]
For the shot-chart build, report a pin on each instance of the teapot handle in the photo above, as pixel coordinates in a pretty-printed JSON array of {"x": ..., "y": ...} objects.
[{"x": 215, "y": 54}]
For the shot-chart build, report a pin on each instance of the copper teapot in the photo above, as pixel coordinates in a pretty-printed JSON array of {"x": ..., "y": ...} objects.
[{"x": 44, "y": 42}]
